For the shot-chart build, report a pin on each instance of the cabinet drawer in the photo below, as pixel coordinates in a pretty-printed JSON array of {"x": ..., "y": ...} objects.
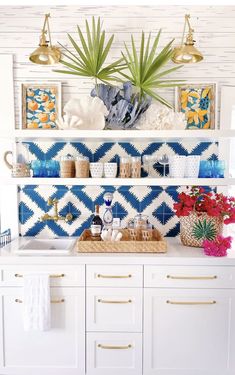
[
  {"x": 114, "y": 309},
  {"x": 115, "y": 275},
  {"x": 189, "y": 277},
  {"x": 59, "y": 275},
  {"x": 114, "y": 353}
]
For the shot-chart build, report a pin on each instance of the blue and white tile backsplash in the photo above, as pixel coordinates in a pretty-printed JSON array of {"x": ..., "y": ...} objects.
[{"x": 154, "y": 201}]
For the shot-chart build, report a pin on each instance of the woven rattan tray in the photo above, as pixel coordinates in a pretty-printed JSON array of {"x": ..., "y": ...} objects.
[{"x": 85, "y": 244}]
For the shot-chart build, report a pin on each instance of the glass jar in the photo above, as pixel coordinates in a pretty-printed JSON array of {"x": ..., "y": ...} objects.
[
  {"x": 141, "y": 221},
  {"x": 82, "y": 166},
  {"x": 136, "y": 167},
  {"x": 125, "y": 167},
  {"x": 67, "y": 166}
]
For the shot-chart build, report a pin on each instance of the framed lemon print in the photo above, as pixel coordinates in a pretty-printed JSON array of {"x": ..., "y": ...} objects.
[
  {"x": 198, "y": 102},
  {"x": 41, "y": 105}
]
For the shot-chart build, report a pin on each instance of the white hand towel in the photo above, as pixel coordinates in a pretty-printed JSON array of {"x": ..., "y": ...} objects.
[{"x": 37, "y": 302}]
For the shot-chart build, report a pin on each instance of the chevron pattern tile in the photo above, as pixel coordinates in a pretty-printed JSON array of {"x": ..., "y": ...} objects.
[{"x": 154, "y": 201}]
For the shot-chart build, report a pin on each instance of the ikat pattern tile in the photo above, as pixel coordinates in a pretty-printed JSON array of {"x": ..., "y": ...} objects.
[{"x": 154, "y": 201}]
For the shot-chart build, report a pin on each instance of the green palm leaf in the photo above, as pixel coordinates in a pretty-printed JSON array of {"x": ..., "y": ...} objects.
[
  {"x": 89, "y": 57},
  {"x": 146, "y": 67},
  {"x": 205, "y": 230}
]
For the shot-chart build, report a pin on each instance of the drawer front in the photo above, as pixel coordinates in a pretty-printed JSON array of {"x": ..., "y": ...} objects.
[
  {"x": 114, "y": 353},
  {"x": 114, "y": 275},
  {"x": 189, "y": 277},
  {"x": 59, "y": 275},
  {"x": 114, "y": 309}
]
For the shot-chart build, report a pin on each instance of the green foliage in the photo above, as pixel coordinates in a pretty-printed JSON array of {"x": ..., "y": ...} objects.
[
  {"x": 145, "y": 68},
  {"x": 88, "y": 61},
  {"x": 204, "y": 230}
]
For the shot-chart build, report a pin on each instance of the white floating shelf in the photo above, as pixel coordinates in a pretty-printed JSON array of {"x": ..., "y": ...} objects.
[
  {"x": 116, "y": 135},
  {"x": 121, "y": 181}
]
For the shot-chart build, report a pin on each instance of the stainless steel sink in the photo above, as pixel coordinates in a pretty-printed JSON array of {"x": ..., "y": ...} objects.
[{"x": 54, "y": 246}]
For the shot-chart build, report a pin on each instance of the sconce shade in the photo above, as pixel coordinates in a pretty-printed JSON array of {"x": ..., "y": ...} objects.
[{"x": 186, "y": 54}]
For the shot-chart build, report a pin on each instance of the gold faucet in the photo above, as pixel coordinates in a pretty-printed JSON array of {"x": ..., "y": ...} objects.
[{"x": 56, "y": 216}]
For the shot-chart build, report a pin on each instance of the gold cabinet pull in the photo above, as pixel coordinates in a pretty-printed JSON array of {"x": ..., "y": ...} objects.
[
  {"x": 191, "y": 302},
  {"x": 113, "y": 301},
  {"x": 53, "y": 276},
  {"x": 114, "y": 276},
  {"x": 114, "y": 346},
  {"x": 52, "y": 301},
  {"x": 191, "y": 277}
]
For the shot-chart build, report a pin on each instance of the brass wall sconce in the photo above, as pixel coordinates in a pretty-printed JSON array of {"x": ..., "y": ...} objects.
[
  {"x": 46, "y": 53},
  {"x": 186, "y": 53}
]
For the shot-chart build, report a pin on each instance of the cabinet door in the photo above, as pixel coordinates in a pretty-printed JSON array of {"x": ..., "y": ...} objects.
[
  {"x": 189, "y": 332},
  {"x": 60, "y": 351}
]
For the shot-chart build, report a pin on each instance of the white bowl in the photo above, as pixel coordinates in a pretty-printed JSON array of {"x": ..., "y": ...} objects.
[
  {"x": 110, "y": 170},
  {"x": 96, "y": 170}
]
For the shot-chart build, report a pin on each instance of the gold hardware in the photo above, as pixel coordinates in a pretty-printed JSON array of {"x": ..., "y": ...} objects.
[
  {"x": 114, "y": 276},
  {"x": 113, "y": 301},
  {"x": 56, "y": 216},
  {"x": 52, "y": 301},
  {"x": 55, "y": 276},
  {"x": 191, "y": 277},
  {"x": 186, "y": 53},
  {"x": 46, "y": 53},
  {"x": 191, "y": 302},
  {"x": 114, "y": 346}
]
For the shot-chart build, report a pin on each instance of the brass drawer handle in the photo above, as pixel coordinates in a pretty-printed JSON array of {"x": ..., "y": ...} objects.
[
  {"x": 191, "y": 302},
  {"x": 113, "y": 301},
  {"x": 191, "y": 277},
  {"x": 114, "y": 276},
  {"x": 55, "y": 276},
  {"x": 114, "y": 346},
  {"x": 52, "y": 301}
]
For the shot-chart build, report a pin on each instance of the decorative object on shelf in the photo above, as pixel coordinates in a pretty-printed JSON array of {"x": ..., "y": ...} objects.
[
  {"x": 89, "y": 112},
  {"x": 46, "y": 53},
  {"x": 108, "y": 214},
  {"x": 81, "y": 166},
  {"x": 96, "y": 169},
  {"x": 192, "y": 166},
  {"x": 125, "y": 167},
  {"x": 123, "y": 105},
  {"x": 89, "y": 59},
  {"x": 145, "y": 69},
  {"x": 177, "y": 166},
  {"x": 198, "y": 102},
  {"x": 186, "y": 53},
  {"x": 160, "y": 117},
  {"x": 45, "y": 168},
  {"x": 218, "y": 247},
  {"x": 157, "y": 244},
  {"x": 136, "y": 166},
  {"x": 148, "y": 162},
  {"x": 212, "y": 168},
  {"x": 67, "y": 166},
  {"x": 110, "y": 170},
  {"x": 20, "y": 165},
  {"x": 163, "y": 160},
  {"x": 202, "y": 215},
  {"x": 41, "y": 105},
  {"x": 67, "y": 122}
]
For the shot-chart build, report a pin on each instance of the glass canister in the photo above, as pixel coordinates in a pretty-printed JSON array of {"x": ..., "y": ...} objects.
[
  {"x": 125, "y": 167},
  {"x": 82, "y": 166},
  {"x": 67, "y": 166},
  {"x": 136, "y": 167},
  {"x": 141, "y": 221}
]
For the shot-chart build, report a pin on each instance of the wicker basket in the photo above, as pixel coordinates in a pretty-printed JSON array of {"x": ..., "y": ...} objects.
[
  {"x": 188, "y": 225},
  {"x": 86, "y": 245}
]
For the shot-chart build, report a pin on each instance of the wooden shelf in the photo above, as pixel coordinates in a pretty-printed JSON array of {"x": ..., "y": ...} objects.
[
  {"x": 116, "y": 135},
  {"x": 121, "y": 181}
]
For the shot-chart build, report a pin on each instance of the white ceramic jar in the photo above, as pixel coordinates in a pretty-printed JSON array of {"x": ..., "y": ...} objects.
[
  {"x": 96, "y": 169},
  {"x": 110, "y": 170}
]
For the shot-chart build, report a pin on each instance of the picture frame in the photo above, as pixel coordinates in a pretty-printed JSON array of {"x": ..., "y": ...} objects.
[
  {"x": 199, "y": 103},
  {"x": 40, "y": 104}
]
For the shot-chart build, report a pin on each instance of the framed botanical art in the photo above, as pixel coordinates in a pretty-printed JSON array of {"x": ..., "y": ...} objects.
[
  {"x": 198, "y": 102},
  {"x": 40, "y": 105}
]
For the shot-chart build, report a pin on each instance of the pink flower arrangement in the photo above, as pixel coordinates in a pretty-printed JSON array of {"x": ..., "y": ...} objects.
[{"x": 218, "y": 247}]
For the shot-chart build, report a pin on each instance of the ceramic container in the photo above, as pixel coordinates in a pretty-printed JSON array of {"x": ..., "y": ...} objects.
[
  {"x": 110, "y": 170},
  {"x": 192, "y": 166},
  {"x": 96, "y": 170},
  {"x": 177, "y": 166}
]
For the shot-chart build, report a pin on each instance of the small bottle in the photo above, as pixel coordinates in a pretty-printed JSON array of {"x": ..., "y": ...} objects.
[{"x": 96, "y": 223}]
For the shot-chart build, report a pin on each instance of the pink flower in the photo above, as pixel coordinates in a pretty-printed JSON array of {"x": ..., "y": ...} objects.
[{"x": 218, "y": 247}]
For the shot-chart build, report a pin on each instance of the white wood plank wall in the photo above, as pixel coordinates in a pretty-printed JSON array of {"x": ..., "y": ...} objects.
[{"x": 215, "y": 35}]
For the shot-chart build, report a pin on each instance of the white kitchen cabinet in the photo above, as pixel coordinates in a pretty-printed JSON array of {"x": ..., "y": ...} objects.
[
  {"x": 59, "y": 351},
  {"x": 189, "y": 332}
]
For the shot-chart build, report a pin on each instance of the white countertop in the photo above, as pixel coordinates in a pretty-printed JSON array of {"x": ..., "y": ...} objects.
[{"x": 177, "y": 254}]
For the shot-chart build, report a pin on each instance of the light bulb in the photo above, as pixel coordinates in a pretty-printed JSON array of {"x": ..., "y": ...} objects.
[{"x": 43, "y": 57}]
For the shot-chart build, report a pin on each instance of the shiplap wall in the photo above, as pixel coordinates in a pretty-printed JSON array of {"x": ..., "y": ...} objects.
[{"x": 215, "y": 35}]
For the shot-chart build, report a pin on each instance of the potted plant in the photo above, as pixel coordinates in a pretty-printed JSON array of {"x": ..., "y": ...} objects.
[
  {"x": 202, "y": 215},
  {"x": 140, "y": 73}
]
